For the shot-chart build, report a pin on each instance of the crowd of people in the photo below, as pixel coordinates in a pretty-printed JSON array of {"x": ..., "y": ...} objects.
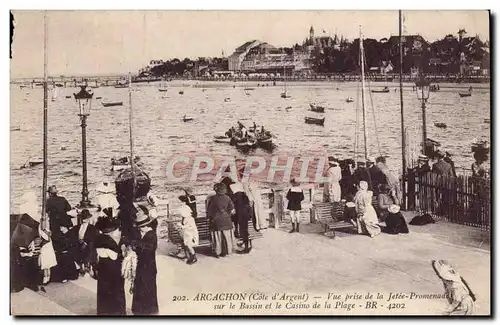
[{"x": 114, "y": 244}]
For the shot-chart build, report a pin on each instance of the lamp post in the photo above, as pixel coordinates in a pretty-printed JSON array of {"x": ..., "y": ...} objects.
[
  {"x": 423, "y": 90},
  {"x": 84, "y": 99}
]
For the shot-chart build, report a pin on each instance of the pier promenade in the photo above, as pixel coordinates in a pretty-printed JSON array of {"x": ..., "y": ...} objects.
[{"x": 299, "y": 263}]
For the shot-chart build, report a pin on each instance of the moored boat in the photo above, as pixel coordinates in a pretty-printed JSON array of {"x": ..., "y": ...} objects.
[
  {"x": 187, "y": 119},
  {"x": 15, "y": 128},
  {"x": 68, "y": 96},
  {"x": 385, "y": 90},
  {"x": 317, "y": 108},
  {"x": 108, "y": 104},
  {"x": 121, "y": 86},
  {"x": 349, "y": 99},
  {"x": 313, "y": 120},
  {"x": 222, "y": 139},
  {"x": 468, "y": 94},
  {"x": 181, "y": 92},
  {"x": 440, "y": 125},
  {"x": 124, "y": 163},
  {"x": 32, "y": 162},
  {"x": 248, "y": 88},
  {"x": 265, "y": 141}
]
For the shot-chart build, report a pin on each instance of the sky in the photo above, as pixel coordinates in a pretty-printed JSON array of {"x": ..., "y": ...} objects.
[{"x": 109, "y": 42}]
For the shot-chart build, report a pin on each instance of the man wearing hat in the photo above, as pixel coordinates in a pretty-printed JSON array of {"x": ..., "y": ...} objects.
[
  {"x": 332, "y": 191},
  {"x": 450, "y": 161},
  {"x": 423, "y": 165},
  {"x": 376, "y": 175},
  {"x": 57, "y": 210},
  {"x": 441, "y": 167}
]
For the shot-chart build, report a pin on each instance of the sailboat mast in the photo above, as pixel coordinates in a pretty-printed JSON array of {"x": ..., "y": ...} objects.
[
  {"x": 361, "y": 51},
  {"x": 130, "y": 131},
  {"x": 45, "y": 116},
  {"x": 403, "y": 137}
]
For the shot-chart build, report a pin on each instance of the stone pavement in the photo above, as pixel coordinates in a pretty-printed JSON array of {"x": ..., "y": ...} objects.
[{"x": 301, "y": 263}]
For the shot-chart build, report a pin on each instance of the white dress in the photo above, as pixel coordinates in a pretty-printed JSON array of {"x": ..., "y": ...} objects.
[{"x": 368, "y": 220}]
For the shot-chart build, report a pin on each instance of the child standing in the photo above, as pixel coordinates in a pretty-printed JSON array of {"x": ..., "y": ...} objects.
[
  {"x": 295, "y": 196},
  {"x": 189, "y": 233}
]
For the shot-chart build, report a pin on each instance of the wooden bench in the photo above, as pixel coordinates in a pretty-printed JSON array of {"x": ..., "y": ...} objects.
[
  {"x": 330, "y": 215},
  {"x": 203, "y": 225}
]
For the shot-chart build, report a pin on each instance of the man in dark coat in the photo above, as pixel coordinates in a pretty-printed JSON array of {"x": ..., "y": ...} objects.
[
  {"x": 84, "y": 236},
  {"x": 441, "y": 167},
  {"x": 362, "y": 174},
  {"x": 57, "y": 209},
  {"x": 376, "y": 175},
  {"x": 448, "y": 159}
]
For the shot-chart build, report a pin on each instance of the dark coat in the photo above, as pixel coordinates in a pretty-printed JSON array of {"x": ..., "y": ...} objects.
[
  {"x": 110, "y": 283},
  {"x": 190, "y": 201},
  {"x": 145, "y": 301},
  {"x": 64, "y": 248},
  {"x": 57, "y": 209},
  {"x": 347, "y": 185},
  {"x": 244, "y": 213},
  {"x": 295, "y": 196},
  {"x": 377, "y": 177},
  {"x": 442, "y": 168},
  {"x": 452, "y": 164},
  {"x": 219, "y": 209},
  {"x": 84, "y": 250},
  {"x": 396, "y": 224},
  {"x": 362, "y": 174},
  {"x": 424, "y": 169}
]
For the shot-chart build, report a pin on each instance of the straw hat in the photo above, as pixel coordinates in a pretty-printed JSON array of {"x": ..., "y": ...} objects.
[
  {"x": 105, "y": 187},
  {"x": 393, "y": 208},
  {"x": 445, "y": 271},
  {"x": 423, "y": 158},
  {"x": 143, "y": 218},
  {"x": 370, "y": 160},
  {"x": 332, "y": 161},
  {"x": 152, "y": 199}
]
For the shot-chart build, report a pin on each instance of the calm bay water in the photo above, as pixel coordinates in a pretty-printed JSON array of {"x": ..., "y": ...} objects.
[{"x": 160, "y": 133}]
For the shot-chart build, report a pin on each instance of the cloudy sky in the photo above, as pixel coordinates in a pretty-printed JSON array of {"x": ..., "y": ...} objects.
[{"x": 104, "y": 42}]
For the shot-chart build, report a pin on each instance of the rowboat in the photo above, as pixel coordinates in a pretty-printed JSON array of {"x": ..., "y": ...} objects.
[
  {"x": 248, "y": 88},
  {"x": 349, "y": 99},
  {"x": 222, "y": 139},
  {"x": 181, "y": 92},
  {"x": 124, "y": 163},
  {"x": 284, "y": 95},
  {"x": 317, "y": 108},
  {"x": 68, "y": 96},
  {"x": 107, "y": 104},
  {"x": 385, "y": 90},
  {"x": 440, "y": 125},
  {"x": 265, "y": 142},
  {"x": 468, "y": 94},
  {"x": 313, "y": 120},
  {"x": 98, "y": 97},
  {"x": 227, "y": 99},
  {"x": 162, "y": 90},
  {"x": 15, "y": 128},
  {"x": 246, "y": 144},
  {"x": 187, "y": 119},
  {"x": 32, "y": 162},
  {"x": 121, "y": 86}
]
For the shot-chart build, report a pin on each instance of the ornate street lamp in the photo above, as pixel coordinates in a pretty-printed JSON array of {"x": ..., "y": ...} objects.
[
  {"x": 423, "y": 87},
  {"x": 84, "y": 100}
]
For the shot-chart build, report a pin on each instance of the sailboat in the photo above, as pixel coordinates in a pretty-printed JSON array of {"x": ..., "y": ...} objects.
[
  {"x": 284, "y": 94},
  {"x": 163, "y": 88}
]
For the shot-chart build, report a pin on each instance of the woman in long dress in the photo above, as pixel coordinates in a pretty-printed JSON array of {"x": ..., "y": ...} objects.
[
  {"x": 110, "y": 283},
  {"x": 145, "y": 300},
  {"x": 243, "y": 212},
  {"x": 219, "y": 210},
  {"x": 367, "y": 217}
]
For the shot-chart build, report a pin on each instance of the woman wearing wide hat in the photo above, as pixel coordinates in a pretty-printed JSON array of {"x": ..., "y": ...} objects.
[
  {"x": 145, "y": 301},
  {"x": 458, "y": 293},
  {"x": 110, "y": 283},
  {"x": 395, "y": 222},
  {"x": 106, "y": 200}
]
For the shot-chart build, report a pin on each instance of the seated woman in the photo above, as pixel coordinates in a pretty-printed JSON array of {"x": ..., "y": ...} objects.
[
  {"x": 367, "y": 217},
  {"x": 385, "y": 200},
  {"x": 395, "y": 222}
]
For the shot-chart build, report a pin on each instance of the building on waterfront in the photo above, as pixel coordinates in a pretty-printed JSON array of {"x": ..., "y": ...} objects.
[{"x": 235, "y": 59}]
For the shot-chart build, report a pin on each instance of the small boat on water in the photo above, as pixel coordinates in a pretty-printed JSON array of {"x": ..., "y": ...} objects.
[
  {"x": 380, "y": 91},
  {"x": 249, "y": 88},
  {"x": 23, "y": 86},
  {"x": 121, "y": 86},
  {"x": 124, "y": 163},
  {"x": 98, "y": 97},
  {"x": 227, "y": 99},
  {"x": 313, "y": 120},
  {"x": 317, "y": 108},
  {"x": 265, "y": 141},
  {"x": 187, "y": 119},
  {"x": 181, "y": 92},
  {"x": 468, "y": 94},
  {"x": 285, "y": 95},
  {"x": 288, "y": 108},
  {"x": 162, "y": 90},
  {"x": 246, "y": 144},
  {"x": 68, "y": 96},
  {"x": 15, "y": 128},
  {"x": 349, "y": 99},
  {"x": 32, "y": 162},
  {"x": 108, "y": 104},
  {"x": 222, "y": 139},
  {"x": 440, "y": 125}
]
